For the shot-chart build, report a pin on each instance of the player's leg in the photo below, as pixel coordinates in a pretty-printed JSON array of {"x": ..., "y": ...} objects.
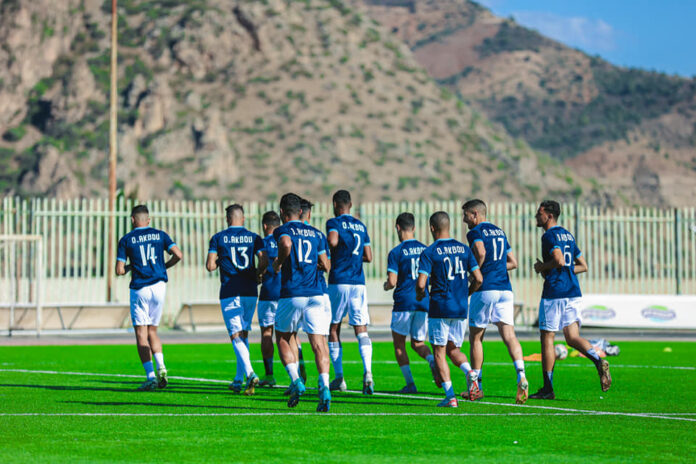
[
  {"x": 139, "y": 311},
  {"x": 400, "y": 328},
  {"x": 156, "y": 306},
  {"x": 573, "y": 338},
  {"x": 266, "y": 314},
  {"x": 233, "y": 314},
  {"x": 339, "y": 306},
  {"x": 507, "y": 333},
  {"x": 439, "y": 334},
  {"x": 457, "y": 331},
  {"x": 316, "y": 323},
  {"x": 503, "y": 316},
  {"x": 480, "y": 309},
  {"x": 549, "y": 323},
  {"x": 476, "y": 352},
  {"x": 419, "y": 333},
  {"x": 548, "y": 359},
  {"x": 287, "y": 323},
  {"x": 359, "y": 318}
]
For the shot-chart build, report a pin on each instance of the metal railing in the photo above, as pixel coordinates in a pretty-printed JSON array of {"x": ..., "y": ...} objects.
[{"x": 637, "y": 250}]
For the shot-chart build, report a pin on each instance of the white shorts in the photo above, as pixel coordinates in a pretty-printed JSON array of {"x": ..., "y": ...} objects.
[
  {"x": 491, "y": 306},
  {"x": 266, "y": 312},
  {"x": 351, "y": 300},
  {"x": 237, "y": 313},
  {"x": 306, "y": 312},
  {"x": 146, "y": 304},
  {"x": 558, "y": 313},
  {"x": 413, "y": 323},
  {"x": 447, "y": 330}
]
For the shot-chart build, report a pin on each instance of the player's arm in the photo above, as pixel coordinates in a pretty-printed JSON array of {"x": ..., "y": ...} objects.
[
  {"x": 476, "y": 281},
  {"x": 177, "y": 256},
  {"x": 555, "y": 262},
  {"x": 121, "y": 268},
  {"x": 332, "y": 238},
  {"x": 367, "y": 254},
  {"x": 284, "y": 249},
  {"x": 212, "y": 262},
  {"x": 580, "y": 265},
  {"x": 324, "y": 262},
  {"x": 262, "y": 266},
  {"x": 511, "y": 261},
  {"x": 479, "y": 252},
  {"x": 391, "y": 281},
  {"x": 420, "y": 286}
]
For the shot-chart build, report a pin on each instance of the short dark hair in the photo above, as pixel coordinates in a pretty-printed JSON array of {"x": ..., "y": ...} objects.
[
  {"x": 270, "y": 218},
  {"x": 406, "y": 221},
  {"x": 476, "y": 204},
  {"x": 139, "y": 209},
  {"x": 440, "y": 221},
  {"x": 551, "y": 207},
  {"x": 291, "y": 204},
  {"x": 305, "y": 204},
  {"x": 342, "y": 198},
  {"x": 230, "y": 210}
]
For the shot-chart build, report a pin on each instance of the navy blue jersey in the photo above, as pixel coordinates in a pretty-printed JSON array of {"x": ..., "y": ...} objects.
[
  {"x": 321, "y": 274},
  {"x": 144, "y": 247},
  {"x": 448, "y": 262},
  {"x": 494, "y": 267},
  {"x": 299, "y": 273},
  {"x": 403, "y": 261},
  {"x": 270, "y": 287},
  {"x": 236, "y": 248},
  {"x": 560, "y": 282},
  {"x": 347, "y": 256}
]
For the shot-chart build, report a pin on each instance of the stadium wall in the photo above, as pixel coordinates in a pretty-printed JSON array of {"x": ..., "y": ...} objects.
[{"x": 629, "y": 251}]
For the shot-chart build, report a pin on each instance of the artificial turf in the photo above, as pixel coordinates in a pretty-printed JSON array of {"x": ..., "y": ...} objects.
[{"x": 649, "y": 413}]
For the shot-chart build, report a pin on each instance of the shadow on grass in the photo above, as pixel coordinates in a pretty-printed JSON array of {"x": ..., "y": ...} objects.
[{"x": 169, "y": 405}]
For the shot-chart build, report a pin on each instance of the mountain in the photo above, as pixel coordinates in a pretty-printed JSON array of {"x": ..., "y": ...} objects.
[
  {"x": 243, "y": 100},
  {"x": 631, "y": 133}
]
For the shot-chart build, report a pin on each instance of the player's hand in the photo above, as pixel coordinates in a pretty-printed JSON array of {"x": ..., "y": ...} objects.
[
  {"x": 386, "y": 286},
  {"x": 276, "y": 266},
  {"x": 420, "y": 294},
  {"x": 538, "y": 266},
  {"x": 127, "y": 268}
]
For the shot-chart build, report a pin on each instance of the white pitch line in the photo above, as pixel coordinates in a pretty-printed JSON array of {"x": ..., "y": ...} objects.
[
  {"x": 253, "y": 414},
  {"x": 390, "y": 395},
  {"x": 558, "y": 363}
]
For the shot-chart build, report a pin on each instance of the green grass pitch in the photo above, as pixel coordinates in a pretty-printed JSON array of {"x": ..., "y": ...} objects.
[{"x": 69, "y": 414}]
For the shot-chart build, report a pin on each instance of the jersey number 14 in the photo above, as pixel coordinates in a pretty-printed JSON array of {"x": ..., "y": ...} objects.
[{"x": 148, "y": 254}]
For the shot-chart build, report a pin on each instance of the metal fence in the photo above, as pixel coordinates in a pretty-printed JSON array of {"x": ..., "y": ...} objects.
[{"x": 638, "y": 250}]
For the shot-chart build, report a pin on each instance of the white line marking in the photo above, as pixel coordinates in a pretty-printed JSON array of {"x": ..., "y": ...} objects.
[
  {"x": 390, "y": 395},
  {"x": 253, "y": 414},
  {"x": 558, "y": 363}
]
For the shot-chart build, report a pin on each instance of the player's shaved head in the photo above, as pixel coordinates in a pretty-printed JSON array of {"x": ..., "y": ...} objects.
[
  {"x": 551, "y": 207},
  {"x": 440, "y": 221},
  {"x": 306, "y": 207},
  {"x": 475, "y": 205},
  {"x": 235, "y": 214},
  {"x": 270, "y": 218},
  {"x": 406, "y": 221},
  {"x": 290, "y": 205},
  {"x": 140, "y": 215}
]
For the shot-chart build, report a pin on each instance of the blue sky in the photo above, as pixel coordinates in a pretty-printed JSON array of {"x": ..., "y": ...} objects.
[{"x": 649, "y": 34}]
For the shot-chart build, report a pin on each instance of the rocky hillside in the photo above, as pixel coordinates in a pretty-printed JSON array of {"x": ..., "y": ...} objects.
[
  {"x": 243, "y": 100},
  {"x": 631, "y": 133}
]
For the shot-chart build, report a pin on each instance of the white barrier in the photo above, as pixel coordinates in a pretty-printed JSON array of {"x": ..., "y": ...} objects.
[{"x": 639, "y": 311}]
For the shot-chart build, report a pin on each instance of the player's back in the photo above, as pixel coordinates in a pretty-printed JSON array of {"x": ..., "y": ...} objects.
[
  {"x": 494, "y": 267},
  {"x": 299, "y": 273},
  {"x": 347, "y": 256},
  {"x": 448, "y": 262},
  {"x": 403, "y": 261},
  {"x": 270, "y": 287},
  {"x": 560, "y": 282},
  {"x": 144, "y": 247},
  {"x": 236, "y": 247}
]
